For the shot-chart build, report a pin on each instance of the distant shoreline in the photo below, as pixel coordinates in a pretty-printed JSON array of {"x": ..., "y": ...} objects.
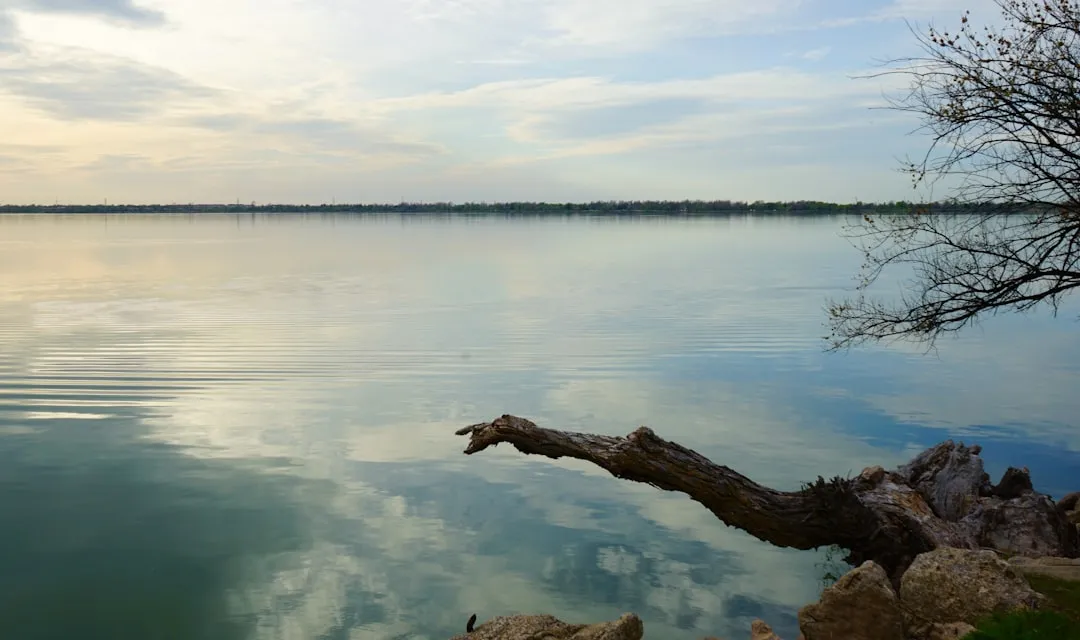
[{"x": 636, "y": 207}]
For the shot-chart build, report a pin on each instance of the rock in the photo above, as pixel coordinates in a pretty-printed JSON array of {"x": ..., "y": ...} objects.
[
  {"x": 950, "y": 478},
  {"x": 872, "y": 476},
  {"x": 628, "y": 627},
  {"x": 1070, "y": 507},
  {"x": 860, "y": 606},
  {"x": 1014, "y": 483},
  {"x": 1070, "y": 502},
  {"x": 1028, "y": 525},
  {"x": 1007, "y": 517},
  {"x": 951, "y": 631},
  {"x": 960, "y": 585},
  {"x": 1060, "y": 568},
  {"x": 761, "y": 631}
]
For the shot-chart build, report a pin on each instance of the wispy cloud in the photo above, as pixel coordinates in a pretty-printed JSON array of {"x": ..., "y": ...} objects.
[
  {"x": 816, "y": 54},
  {"x": 580, "y": 92},
  {"x": 646, "y": 23},
  {"x": 937, "y": 8},
  {"x": 498, "y": 61},
  {"x": 916, "y": 11},
  {"x": 125, "y": 11},
  {"x": 7, "y": 32},
  {"x": 462, "y": 99},
  {"x": 78, "y": 84}
]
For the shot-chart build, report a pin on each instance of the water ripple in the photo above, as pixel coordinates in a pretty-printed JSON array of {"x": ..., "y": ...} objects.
[{"x": 245, "y": 430}]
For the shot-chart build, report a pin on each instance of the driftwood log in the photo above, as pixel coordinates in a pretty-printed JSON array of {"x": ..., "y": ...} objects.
[{"x": 942, "y": 498}]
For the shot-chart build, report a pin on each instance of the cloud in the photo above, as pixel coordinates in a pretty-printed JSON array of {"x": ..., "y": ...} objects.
[
  {"x": 292, "y": 98},
  {"x": 645, "y": 23},
  {"x": 746, "y": 129},
  {"x": 7, "y": 33},
  {"x": 13, "y": 165},
  {"x": 74, "y": 84},
  {"x": 921, "y": 10},
  {"x": 125, "y": 11},
  {"x": 605, "y": 122},
  {"x": 315, "y": 133},
  {"x": 118, "y": 162},
  {"x": 925, "y": 8},
  {"x": 558, "y": 118},
  {"x": 498, "y": 61},
  {"x": 560, "y": 29},
  {"x": 816, "y": 54},
  {"x": 777, "y": 85},
  {"x": 326, "y": 133}
]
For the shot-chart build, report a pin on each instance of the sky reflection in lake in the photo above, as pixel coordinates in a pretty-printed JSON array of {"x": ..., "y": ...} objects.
[{"x": 242, "y": 427}]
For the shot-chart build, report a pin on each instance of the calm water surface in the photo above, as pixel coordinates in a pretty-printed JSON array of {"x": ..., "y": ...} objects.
[{"x": 227, "y": 428}]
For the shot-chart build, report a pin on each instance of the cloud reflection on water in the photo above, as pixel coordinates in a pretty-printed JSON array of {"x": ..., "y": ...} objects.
[{"x": 278, "y": 399}]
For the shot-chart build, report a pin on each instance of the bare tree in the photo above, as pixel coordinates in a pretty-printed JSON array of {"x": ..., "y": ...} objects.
[{"x": 1002, "y": 108}]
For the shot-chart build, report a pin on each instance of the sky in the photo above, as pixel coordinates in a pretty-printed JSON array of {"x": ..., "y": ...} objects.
[{"x": 291, "y": 101}]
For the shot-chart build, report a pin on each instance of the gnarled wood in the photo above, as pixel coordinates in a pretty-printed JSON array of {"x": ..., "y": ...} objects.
[{"x": 942, "y": 498}]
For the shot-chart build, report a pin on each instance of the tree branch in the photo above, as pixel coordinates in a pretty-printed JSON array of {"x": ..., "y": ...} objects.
[
  {"x": 804, "y": 519},
  {"x": 886, "y": 517}
]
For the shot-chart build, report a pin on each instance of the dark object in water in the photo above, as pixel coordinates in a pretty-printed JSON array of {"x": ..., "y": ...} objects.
[{"x": 470, "y": 623}]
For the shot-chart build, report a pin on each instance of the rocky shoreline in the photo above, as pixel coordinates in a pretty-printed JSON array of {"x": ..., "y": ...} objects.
[{"x": 942, "y": 595}]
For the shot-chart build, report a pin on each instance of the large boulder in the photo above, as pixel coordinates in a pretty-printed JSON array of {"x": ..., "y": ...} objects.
[
  {"x": 950, "y": 477},
  {"x": 628, "y": 627},
  {"x": 1070, "y": 506},
  {"x": 1070, "y": 502},
  {"x": 1009, "y": 516},
  {"x": 1028, "y": 525},
  {"x": 860, "y": 606},
  {"x": 759, "y": 630},
  {"x": 960, "y": 585}
]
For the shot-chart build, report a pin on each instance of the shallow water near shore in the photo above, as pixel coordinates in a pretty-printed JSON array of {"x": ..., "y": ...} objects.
[{"x": 236, "y": 427}]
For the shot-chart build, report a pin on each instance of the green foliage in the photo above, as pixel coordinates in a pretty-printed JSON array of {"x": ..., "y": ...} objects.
[
  {"x": 1063, "y": 595},
  {"x": 1059, "y": 619},
  {"x": 1027, "y": 625}
]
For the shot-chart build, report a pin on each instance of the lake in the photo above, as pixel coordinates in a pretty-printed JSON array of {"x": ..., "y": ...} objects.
[{"x": 232, "y": 427}]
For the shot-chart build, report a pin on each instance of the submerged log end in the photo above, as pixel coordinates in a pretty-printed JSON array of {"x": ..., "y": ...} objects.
[{"x": 506, "y": 428}]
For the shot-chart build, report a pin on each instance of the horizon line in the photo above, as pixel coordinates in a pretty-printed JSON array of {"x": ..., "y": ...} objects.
[{"x": 542, "y": 204}]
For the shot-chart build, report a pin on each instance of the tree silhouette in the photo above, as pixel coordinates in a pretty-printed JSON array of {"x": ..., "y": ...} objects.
[{"x": 1002, "y": 108}]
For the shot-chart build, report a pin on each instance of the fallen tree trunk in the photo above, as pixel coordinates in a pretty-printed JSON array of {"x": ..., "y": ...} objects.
[{"x": 942, "y": 498}]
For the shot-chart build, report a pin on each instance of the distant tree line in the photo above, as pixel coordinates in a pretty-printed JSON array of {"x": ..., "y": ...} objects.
[{"x": 614, "y": 207}]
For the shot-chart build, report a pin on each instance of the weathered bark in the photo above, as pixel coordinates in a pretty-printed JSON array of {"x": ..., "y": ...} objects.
[{"x": 941, "y": 499}]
